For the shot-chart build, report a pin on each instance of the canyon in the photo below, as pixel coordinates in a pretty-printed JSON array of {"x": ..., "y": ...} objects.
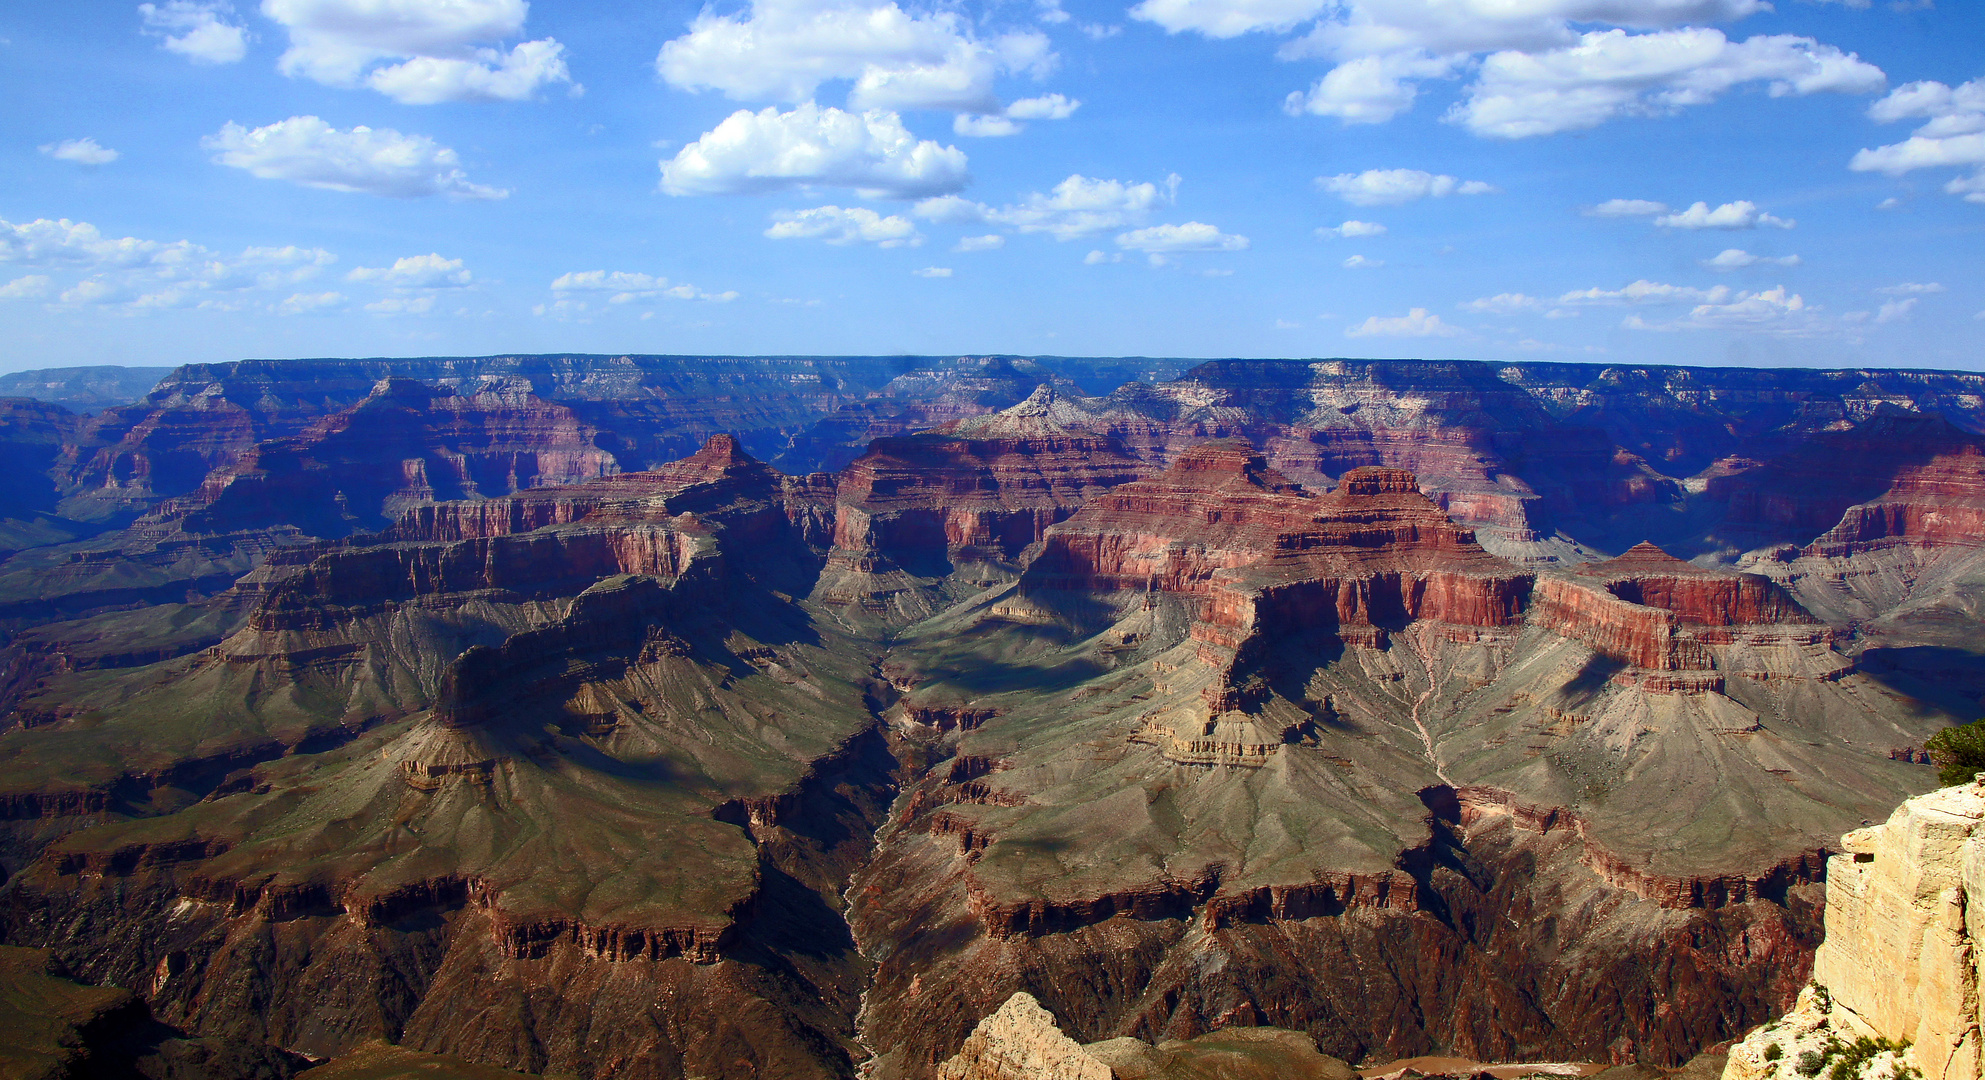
[{"x": 676, "y": 716}]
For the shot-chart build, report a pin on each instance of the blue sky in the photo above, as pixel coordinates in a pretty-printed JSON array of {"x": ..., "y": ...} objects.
[{"x": 1635, "y": 181}]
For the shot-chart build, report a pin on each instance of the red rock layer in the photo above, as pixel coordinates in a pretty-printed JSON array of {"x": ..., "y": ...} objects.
[
  {"x": 1265, "y": 554},
  {"x": 981, "y": 489},
  {"x": 1937, "y": 503},
  {"x": 1647, "y": 575},
  {"x": 1653, "y": 611},
  {"x": 1642, "y": 636},
  {"x": 405, "y": 444},
  {"x": 1931, "y": 473}
]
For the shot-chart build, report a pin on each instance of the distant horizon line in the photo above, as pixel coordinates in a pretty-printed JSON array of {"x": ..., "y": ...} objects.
[{"x": 1190, "y": 361}]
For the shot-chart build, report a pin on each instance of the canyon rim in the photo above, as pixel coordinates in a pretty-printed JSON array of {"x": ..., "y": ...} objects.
[{"x": 656, "y": 716}]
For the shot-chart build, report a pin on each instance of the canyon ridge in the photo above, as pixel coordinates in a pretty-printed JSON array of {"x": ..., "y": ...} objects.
[{"x": 649, "y": 716}]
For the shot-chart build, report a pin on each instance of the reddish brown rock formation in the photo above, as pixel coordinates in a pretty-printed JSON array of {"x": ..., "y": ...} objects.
[
  {"x": 979, "y": 490},
  {"x": 1264, "y": 558},
  {"x": 1220, "y": 520},
  {"x": 1651, "y": 610},
  {"x": 1896, "y": 474}
]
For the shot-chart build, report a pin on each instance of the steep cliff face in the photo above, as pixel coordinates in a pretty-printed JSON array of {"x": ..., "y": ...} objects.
[
  {"x": 1901, "y": 954},
  {"x": 1894, "y": 457},
  {"x": 404, "y": 445},
  {"x": 975, "y": 491},
  {"x": 1900, "y": 963},
  {"x": 1258, "y": 560},
  {"x": 1658, "y": 613}
]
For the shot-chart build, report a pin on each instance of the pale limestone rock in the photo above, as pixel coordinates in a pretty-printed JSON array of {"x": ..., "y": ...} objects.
[
  {"x": 1021, "y": 1042},
  {"x": 1807, "y": 1029},
  {"x": 1898, "y": 959}
]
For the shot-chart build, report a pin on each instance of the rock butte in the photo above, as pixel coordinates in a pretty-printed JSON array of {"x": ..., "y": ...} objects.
[{"x": 650, "y": 716}]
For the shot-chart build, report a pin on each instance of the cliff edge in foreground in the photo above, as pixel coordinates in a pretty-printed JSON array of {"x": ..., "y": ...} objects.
[{"x": 1896, "y": 980}]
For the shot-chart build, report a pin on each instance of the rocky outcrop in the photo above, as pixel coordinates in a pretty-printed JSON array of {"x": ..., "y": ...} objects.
[
  {"x": 975, "y": 490},
  {"x": 1809, "y": 1041},
  {"x": 1657, "y": 613},
  {"x": 1905, "y": 904},
  {"x": 1262, "y": 560},
  {"x": 405, "y": 444},
  {"x": 1021, "y": 1042},
  {"x": 1478, "y": 804}
]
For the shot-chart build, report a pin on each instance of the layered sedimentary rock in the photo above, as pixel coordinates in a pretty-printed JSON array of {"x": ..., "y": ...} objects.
[
  {"x": 405, "y": 444},
  {"x": 630, "y": 671},
  {"x": 1021, "y": 1042},
  {"x": 1653, "y": 611},
  {"x": 967, "y": 499},
  {"x": 1333, "y": 646},
  {"x": 1901, "y": 955},
  {"x": 1895, "y": 459},
  {"x": 975, "y": 490},
  {"x": 1262, "y": 559},
  {"x": 576, "y": 765}
]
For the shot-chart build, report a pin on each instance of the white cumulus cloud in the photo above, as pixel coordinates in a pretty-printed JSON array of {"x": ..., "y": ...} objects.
[
  {"x": 972, "y": 125},
  {"x": 28, "y": 287},
  {"x": 1897, "y": 310},
  {"x": 1952, "y": 135},
  {"x": 1553, "y": 64},
  {"x": 415, "y": 272},
  {"x": 197, "y": 29},
  {"x": 1415, "y": 323},
  {"x": 1612, "y": 73},
  {"x": 1503, "y": 304},
  {"x": 1359, "y": 262},
  {"x": 304, "y": 303},
  {"x": 1077, "y": 207},
  {"x": 783, "y": 50},
  {"x": 1912, "y": 288},
  {"x": 146, "y": 274},
  {"x": 1172, "y": 239},
  {"x": 854, "y": 225},
  {"x": 988, "y": 242},
  {"x": 402, "y": 305},
  {"x": 1619, "y": 208},
  {"x": 1769, "y": 311},
  {"x": 1226, "y": 18},
  {"x": 810, "y": 146},
  {"x": 1047, "y": 107},
  {"x": 1370, "y": 89},
  {"x": 933, "y": 272},
  {"x": 626, "y": 287},
  {"x": 1351, "y": 230},
  {"x": 1742, "y": 214},
  {"x": 1739, "y": 259},
  {"x": 84, "y": 151},
  {"x": 1353, "y": 28},
  {"x": 419, "y": 52},
  {"x": 1647, "y": 292},
  {"x": 306, "y": 150},
  {"x": 1395, "y": 187}
]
